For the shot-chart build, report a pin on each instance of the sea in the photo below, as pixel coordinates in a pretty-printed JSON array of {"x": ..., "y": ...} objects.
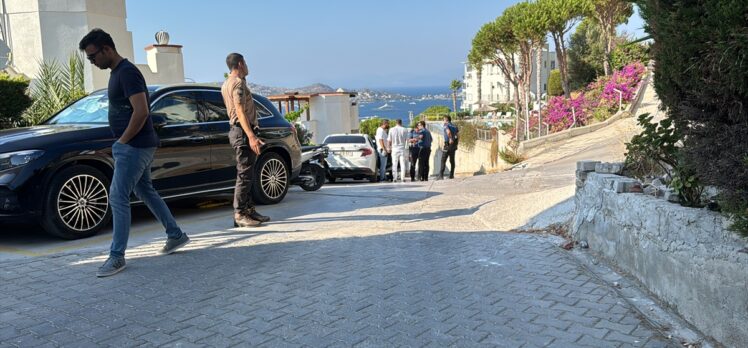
[{"x": 394, "y": 109}]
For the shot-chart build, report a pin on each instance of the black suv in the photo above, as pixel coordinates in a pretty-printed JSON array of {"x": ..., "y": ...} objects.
[{"x": 58, "y": 173}]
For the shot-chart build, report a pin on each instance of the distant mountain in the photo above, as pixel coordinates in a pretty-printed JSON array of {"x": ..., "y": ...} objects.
[
  {"x": 364, "y": 94},
  {"x": 311, "y": 89}
]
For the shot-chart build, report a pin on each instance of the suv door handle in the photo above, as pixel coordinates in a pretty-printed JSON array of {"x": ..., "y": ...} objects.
[{"x": 197, "y": 138}]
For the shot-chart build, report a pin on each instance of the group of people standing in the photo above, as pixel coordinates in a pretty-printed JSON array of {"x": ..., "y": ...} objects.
[{"x": 410, "y": 150}]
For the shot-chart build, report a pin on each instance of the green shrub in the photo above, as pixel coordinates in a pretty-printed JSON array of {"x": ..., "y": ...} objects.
[
  {"x": 655, "y": 151},
  {"x": 294, "y": 116},
  {"x": 627, "y": 53},
  {"x": 601, "y": 114},
  {"x": 468, "y": 135},
  {"x": 554, "y": 83},
  {"x": 369, "y": 126},
  {"x": 510, "y": 154},
  {"x": 702, "y": 80},
  {"x": 436, "y": 112},
  {"x": 13, "y": 99}
]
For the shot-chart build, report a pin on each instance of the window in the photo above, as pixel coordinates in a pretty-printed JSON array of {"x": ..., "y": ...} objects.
[
  {"x": 214, "y": 108},
  {"x": 345, "y": 139},
  {"x": 553, "y": 64},
  {"x": 545, "y": 87},
  {"x": 178, "y": 108}
]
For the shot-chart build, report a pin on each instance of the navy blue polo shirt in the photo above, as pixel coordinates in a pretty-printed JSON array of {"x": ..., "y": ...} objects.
[
  {"x": 124, "y": 82},
  {"x": 424, "y": 142}
]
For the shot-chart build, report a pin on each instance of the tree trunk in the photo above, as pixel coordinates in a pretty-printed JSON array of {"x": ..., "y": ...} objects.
[
  {"x": 539, "y": 91},
  {"x": 609, "y": 33},
  {"x": 454, "y": 101},
  {"x": 517, "y": 111},
  {"x": 479, "y": 73},
  {"x": 561, "y": 60}
]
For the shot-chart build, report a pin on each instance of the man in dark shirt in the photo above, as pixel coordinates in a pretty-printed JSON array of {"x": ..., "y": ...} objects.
[
  {"x": 133, "y": 150},
  {"x": 451, "y": 137},
  {"x": 424, "y": 144}
]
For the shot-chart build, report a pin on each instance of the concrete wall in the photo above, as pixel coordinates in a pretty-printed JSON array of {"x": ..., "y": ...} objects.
[
  {"x": 332, "y": 114},
  {"x": 685, "y": 256},
  {"x": 478, "y": 160}
]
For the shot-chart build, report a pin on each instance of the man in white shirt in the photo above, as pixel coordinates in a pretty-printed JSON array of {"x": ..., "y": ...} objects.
[
  {"x": 399, "y": 146},
  {"x": 382, "y": 148}
]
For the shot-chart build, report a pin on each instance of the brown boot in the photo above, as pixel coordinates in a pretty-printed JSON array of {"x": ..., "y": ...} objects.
[
  {"x": 243, "y": 220},
  {"x": 254, "y": 215}
]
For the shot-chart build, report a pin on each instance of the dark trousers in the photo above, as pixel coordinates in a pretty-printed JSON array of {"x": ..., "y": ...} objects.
[
  {"x": 449, "y": 152},
  {"x": 423, "y": 163},
  {"x": 414, "y": 152},
  {"x": 245, "y": 159}
]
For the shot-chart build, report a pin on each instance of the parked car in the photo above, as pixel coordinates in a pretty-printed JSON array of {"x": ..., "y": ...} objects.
[
  {"x": 351, "y": 156},
  {"x": 58, "y": 173}
]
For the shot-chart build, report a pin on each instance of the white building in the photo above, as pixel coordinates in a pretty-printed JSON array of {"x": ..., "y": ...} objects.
[
  {"x": 46, "y": 30},
  {"x": 328, "y": 113},
  {"x": 495, "y": 88}
]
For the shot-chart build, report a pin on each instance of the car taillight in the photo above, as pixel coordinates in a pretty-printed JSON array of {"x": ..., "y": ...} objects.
[{"x": 366, "y": 152}]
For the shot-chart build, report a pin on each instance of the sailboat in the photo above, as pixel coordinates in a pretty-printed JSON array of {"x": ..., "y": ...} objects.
[{"x": 385, "y": 106}]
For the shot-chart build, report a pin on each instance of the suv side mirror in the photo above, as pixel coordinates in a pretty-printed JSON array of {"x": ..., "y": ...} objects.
[{"x": 158, "y": 119}]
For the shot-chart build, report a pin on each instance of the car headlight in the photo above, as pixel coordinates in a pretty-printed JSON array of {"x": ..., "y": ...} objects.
[{"x": 16, "y": 159}]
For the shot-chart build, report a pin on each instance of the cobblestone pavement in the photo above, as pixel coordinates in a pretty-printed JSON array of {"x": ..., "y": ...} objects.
[{"x": 369, "y": 277}]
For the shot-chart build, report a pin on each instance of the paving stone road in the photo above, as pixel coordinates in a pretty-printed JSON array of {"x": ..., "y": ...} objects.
[
  {"x": 412, "y": 265},
  {"x": 364, "y": 278}
]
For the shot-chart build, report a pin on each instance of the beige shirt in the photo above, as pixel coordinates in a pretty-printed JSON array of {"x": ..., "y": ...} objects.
[{"x": 235, "y": 94}]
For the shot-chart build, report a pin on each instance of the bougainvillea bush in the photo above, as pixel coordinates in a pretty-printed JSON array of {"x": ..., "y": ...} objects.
[{"x": 599, "y": 98}]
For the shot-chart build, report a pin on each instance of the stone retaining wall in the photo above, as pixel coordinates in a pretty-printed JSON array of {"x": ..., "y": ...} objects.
[{"x": 685, "y": 256}]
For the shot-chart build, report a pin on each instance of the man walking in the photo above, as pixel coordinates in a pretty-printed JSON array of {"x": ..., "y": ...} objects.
[
  {"x": 399, "y": 144},
  {"x": 243, "y": 120},
  {"x": 133, "y": 150},
  {"x": 382, "y": 149},
  {"x": 450, "y": 147},
  {"x": 424, "y": 144}
]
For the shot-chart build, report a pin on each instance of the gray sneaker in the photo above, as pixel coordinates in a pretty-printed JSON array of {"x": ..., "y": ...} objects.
[
  {"x": 112, "y": 266},
  {"x": 173, "y": 244}
]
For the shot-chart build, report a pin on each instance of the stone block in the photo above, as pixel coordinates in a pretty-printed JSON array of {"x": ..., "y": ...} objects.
[
  {"x": 627, "y": 185},
  {"x": 671, "y": 196},
  {"x": 582, "y": 175},
  {"x": 609, "y": 168},
  {"x": 654, "y": 190},
  {"x": 587, "y": 166}
]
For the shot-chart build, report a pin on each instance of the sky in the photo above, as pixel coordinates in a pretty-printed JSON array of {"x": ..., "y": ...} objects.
[{"x": 348, "y": 44}]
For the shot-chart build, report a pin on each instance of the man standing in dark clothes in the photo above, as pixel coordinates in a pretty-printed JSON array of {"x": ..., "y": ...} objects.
[
  {"x": 133, "y": 151},
  {"x": 450, "y": 147},
  {"x": 414, "y": 154},
  {"x": 243, "y": 119},
  {"x": 424, "y": 144}
]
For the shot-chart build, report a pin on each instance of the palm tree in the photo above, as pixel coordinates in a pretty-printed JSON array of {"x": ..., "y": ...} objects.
[
  {"x": 56, "y": 86},
  {"x": 455, "y": 86}
]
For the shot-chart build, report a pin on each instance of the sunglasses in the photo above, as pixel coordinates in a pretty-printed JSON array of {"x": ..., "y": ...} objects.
[{"x": 92, "y": 57}]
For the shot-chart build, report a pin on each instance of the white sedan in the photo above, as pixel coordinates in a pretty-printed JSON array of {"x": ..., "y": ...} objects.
[{"x": 351, "y": 156}]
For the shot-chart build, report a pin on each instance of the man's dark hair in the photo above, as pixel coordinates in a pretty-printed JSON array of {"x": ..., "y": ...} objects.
[
  {"x": 385, "y": 122},
  {"x": 449, "y": 118},
  {"x": 422, "y": 123},
  {"x": 98, "y": 38},
  {"x": 233, "y": 59},
  {"x": 399, "y": 122}
]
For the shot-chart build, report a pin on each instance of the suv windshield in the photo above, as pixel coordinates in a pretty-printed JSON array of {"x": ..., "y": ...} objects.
[
  {"x": 345, "y": 139},
  {"x": 91, "y": 109}
]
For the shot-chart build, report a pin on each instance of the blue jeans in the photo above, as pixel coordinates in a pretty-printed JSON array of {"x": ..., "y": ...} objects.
[
  {"x": 382, "y": 165},
  {"x": 132, "y": 173}
]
